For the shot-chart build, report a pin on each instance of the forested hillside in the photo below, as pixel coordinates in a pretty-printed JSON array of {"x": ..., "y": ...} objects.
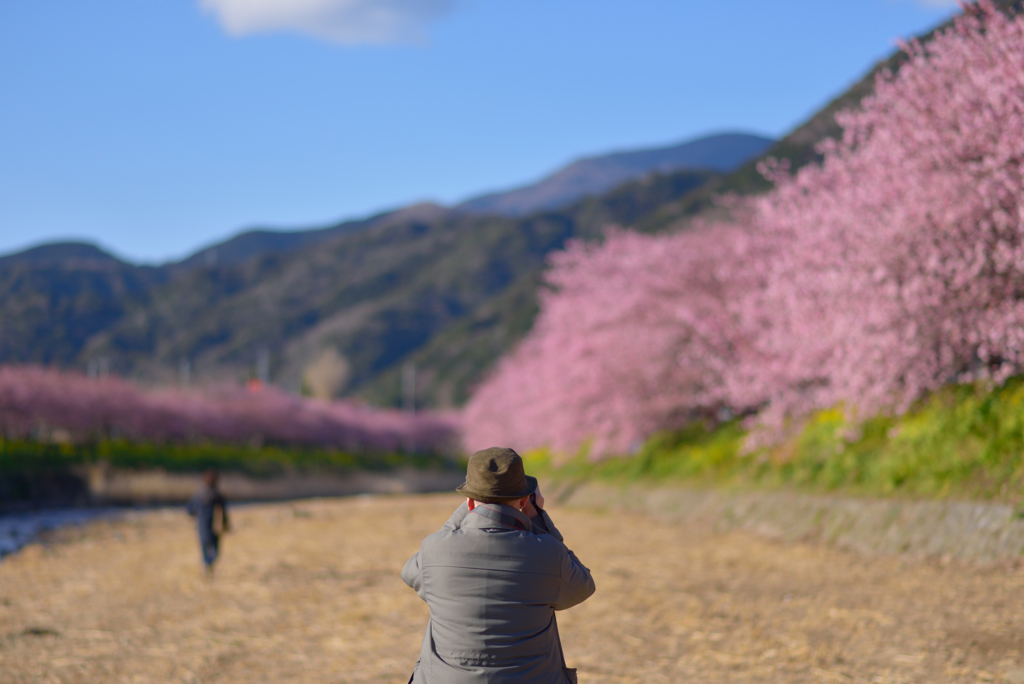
[
  {"x": 54, "y": 298},
  {"x": 333, "y": 314}
]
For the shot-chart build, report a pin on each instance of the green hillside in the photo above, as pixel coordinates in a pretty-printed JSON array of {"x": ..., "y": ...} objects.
[
  {"x": 342, "y": 316},
  {"x": 963, "y": 442},
  {"x": 55, "y": 297}
]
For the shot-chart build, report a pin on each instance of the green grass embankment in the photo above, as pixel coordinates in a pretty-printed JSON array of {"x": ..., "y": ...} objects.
[
  {"x": 28, "y": 457},
  {"x": 963, "y": 442}
]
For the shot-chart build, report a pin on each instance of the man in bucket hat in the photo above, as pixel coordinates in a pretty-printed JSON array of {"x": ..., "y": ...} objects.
[{"x": 493, "y": 577}]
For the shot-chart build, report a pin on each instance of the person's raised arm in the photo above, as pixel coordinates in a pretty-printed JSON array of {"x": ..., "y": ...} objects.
[
  {"x": 577, "y": 582},
  {"x": 411, "y": 572},
  {"x": 542, "y": 524}
]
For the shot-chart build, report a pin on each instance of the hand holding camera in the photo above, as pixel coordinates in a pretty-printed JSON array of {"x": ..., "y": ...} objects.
[{"x": 534, "y": 505}]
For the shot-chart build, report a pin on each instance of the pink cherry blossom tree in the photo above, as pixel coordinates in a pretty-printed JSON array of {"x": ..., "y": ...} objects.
[
  {"x": 39, "y": 402},
  {"x": 895, "y": 266},
  {"x": 635, "y": 336},
  {"x": 898, "y": 264}
]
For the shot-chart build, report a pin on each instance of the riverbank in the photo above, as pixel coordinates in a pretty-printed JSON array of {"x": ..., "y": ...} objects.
[
  {"x": 148, "y": 487},
  {"x": 87, "y": 493},
  {"x": 101, "y": 486},
  {"x": 310, "y": 591},
  {"x": 969, "y": 530},
  {"x": 36, "y": 475},
  {"x": 101, "y": 491},
  {"x": 964, "y": 443}
]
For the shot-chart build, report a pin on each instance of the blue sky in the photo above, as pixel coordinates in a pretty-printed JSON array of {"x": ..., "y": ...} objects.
[{"x": 153, "y": 127}]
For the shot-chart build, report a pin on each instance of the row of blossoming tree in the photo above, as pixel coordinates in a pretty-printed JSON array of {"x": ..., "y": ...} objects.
[
  {"x": 40, "y": 403},
  {"x": 892, "y": 268}
]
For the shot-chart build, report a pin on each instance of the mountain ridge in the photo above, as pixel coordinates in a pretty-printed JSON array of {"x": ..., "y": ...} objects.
[
  {"x": 61, "y": 251},
  {"x": 589, "y": 175},
  {"x": 592, "y": 175},
  {"x": 256, "y": 241}
]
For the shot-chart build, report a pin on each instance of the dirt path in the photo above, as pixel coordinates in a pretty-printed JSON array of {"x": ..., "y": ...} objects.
[{"x": 310, "y": 592}]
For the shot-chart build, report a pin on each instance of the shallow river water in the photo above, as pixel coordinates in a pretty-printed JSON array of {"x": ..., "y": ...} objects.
[{"x": 18, "y": 529}]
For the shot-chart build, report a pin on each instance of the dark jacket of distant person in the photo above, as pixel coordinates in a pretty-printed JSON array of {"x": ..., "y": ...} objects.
[{"x": 210, "y": 509}]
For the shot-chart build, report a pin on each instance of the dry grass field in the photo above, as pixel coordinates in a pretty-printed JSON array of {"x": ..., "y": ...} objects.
[{"x": 310, "y": 592}]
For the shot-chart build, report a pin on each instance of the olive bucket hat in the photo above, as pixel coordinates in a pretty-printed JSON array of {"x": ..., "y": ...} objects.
[{"x": 496, "y": 475}]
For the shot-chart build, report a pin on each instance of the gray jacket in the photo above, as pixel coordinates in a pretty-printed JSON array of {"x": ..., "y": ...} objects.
[{"x": 493, "y": 580}]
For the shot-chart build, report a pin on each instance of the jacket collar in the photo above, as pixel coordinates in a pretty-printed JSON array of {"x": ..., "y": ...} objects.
[{"x": 500, "y": 516}]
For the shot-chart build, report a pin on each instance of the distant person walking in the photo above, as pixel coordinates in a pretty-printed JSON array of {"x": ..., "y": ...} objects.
[
  {"x": 210, "y": 509},
  {"x": 493, "y": 576}
]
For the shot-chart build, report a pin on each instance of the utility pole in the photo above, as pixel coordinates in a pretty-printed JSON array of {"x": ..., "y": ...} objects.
[
  {"x": 409, "y": 387},
  {"x": 263, "y": 366}
]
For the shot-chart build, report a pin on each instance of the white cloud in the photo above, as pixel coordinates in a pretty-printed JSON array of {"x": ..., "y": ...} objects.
[{"x": 350, "y": 22}]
